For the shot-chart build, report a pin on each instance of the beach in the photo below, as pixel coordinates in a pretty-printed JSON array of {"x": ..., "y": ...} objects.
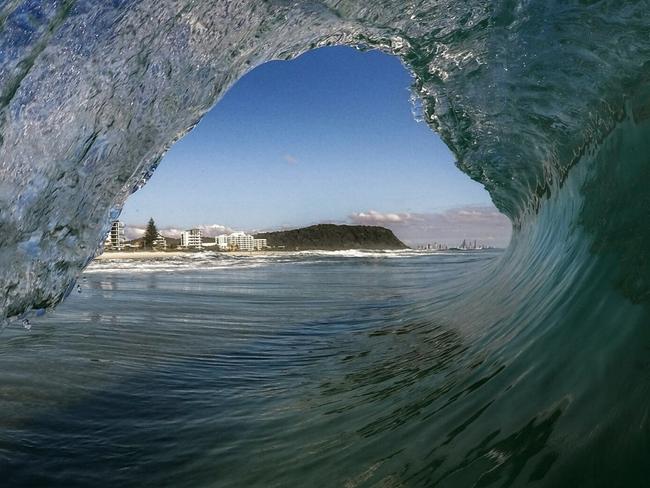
[
  {"x": 167, "y": 254},
  {"x": 140, "y": 255}
]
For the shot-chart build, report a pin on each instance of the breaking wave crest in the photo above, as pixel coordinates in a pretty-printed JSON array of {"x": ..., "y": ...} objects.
[{"x": 206, "y": 261}]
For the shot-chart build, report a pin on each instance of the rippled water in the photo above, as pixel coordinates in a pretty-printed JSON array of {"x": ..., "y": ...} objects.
[
  {"x": 328, "y": 369},
  {"x": 324, "y": 369},
  {"x": 303, "y": 370}
]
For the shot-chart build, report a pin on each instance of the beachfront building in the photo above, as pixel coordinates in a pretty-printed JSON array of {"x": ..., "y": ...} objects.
[
  {"x": 239, "y": 241},
  {"x": 115, "y": 239},
  {"x": 222, "y": 242},
  {"x": 191, "y": 239},
  {"x": 159, "y": 242}
]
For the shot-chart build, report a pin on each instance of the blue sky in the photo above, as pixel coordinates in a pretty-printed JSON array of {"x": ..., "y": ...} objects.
[{"x": 326, "y": 137}]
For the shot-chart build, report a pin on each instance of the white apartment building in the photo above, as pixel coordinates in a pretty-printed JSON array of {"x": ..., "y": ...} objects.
[
  {"x": 191, "y": 238},
  {"x": 115, "y": 239},
  {"x": 160, "y": 242},
  {"x": 259, "y": 244},
  {"x": 222, "y": 242},
  {"x": 239, "y": 241}
]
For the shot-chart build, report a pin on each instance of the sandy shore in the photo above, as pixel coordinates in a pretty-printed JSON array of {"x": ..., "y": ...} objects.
[
  {"x": 140, "y": 255},
  {"x": 166, "y": 254}
]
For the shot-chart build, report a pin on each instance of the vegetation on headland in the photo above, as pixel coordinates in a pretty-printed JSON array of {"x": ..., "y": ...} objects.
[{"x": 332, "y": 237}]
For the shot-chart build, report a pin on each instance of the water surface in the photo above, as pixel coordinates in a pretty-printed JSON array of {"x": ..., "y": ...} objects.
[{"x": 318, "y": 369}]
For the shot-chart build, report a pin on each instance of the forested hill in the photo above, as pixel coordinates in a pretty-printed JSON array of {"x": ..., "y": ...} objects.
[{"x": 331, "y": 237}]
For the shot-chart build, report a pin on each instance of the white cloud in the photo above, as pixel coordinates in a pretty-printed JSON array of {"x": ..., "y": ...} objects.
[
  {"x": 133, "y": 232},
  {"x": 482, "y": 223},
  {"x": 290, "y": 158},
  {"x": 373, "y": 217},
  {"x": 212, "y": 230},
  {"x": 208, "y": 230}
]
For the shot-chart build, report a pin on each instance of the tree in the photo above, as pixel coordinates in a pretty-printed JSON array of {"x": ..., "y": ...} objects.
[{"x": 150, "y": 234}]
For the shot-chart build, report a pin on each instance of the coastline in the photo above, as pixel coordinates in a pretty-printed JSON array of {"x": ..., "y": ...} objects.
[
  {"x": 166, "y": 254},
  {"x": 140, "y": 255}
]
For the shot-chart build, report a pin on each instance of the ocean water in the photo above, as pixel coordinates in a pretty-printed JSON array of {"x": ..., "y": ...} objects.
[
  {"x": 343, "y": 369},
  {"x": 307, "y": 369}
]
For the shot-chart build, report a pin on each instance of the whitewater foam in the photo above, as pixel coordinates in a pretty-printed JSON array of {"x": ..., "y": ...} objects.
[{"x": 216, "y": 261}]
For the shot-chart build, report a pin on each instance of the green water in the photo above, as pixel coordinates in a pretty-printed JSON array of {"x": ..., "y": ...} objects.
[{"x": 318, "y": 370}]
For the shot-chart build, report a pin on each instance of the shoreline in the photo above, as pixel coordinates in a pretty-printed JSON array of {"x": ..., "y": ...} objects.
[
  {"x": 137, "y": 255},
  {"x": 172, "y": 254},
  {"x": 164, "y": 254}
]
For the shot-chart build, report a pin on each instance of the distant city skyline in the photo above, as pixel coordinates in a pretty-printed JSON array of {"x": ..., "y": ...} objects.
[{"x": 327, "y": 137}]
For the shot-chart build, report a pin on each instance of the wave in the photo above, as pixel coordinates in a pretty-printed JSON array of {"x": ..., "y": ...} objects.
[
  {"x": 545, "y": 103},
  {"x": 517, "y": 91},
  {"x": 207, "y": 261}
]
